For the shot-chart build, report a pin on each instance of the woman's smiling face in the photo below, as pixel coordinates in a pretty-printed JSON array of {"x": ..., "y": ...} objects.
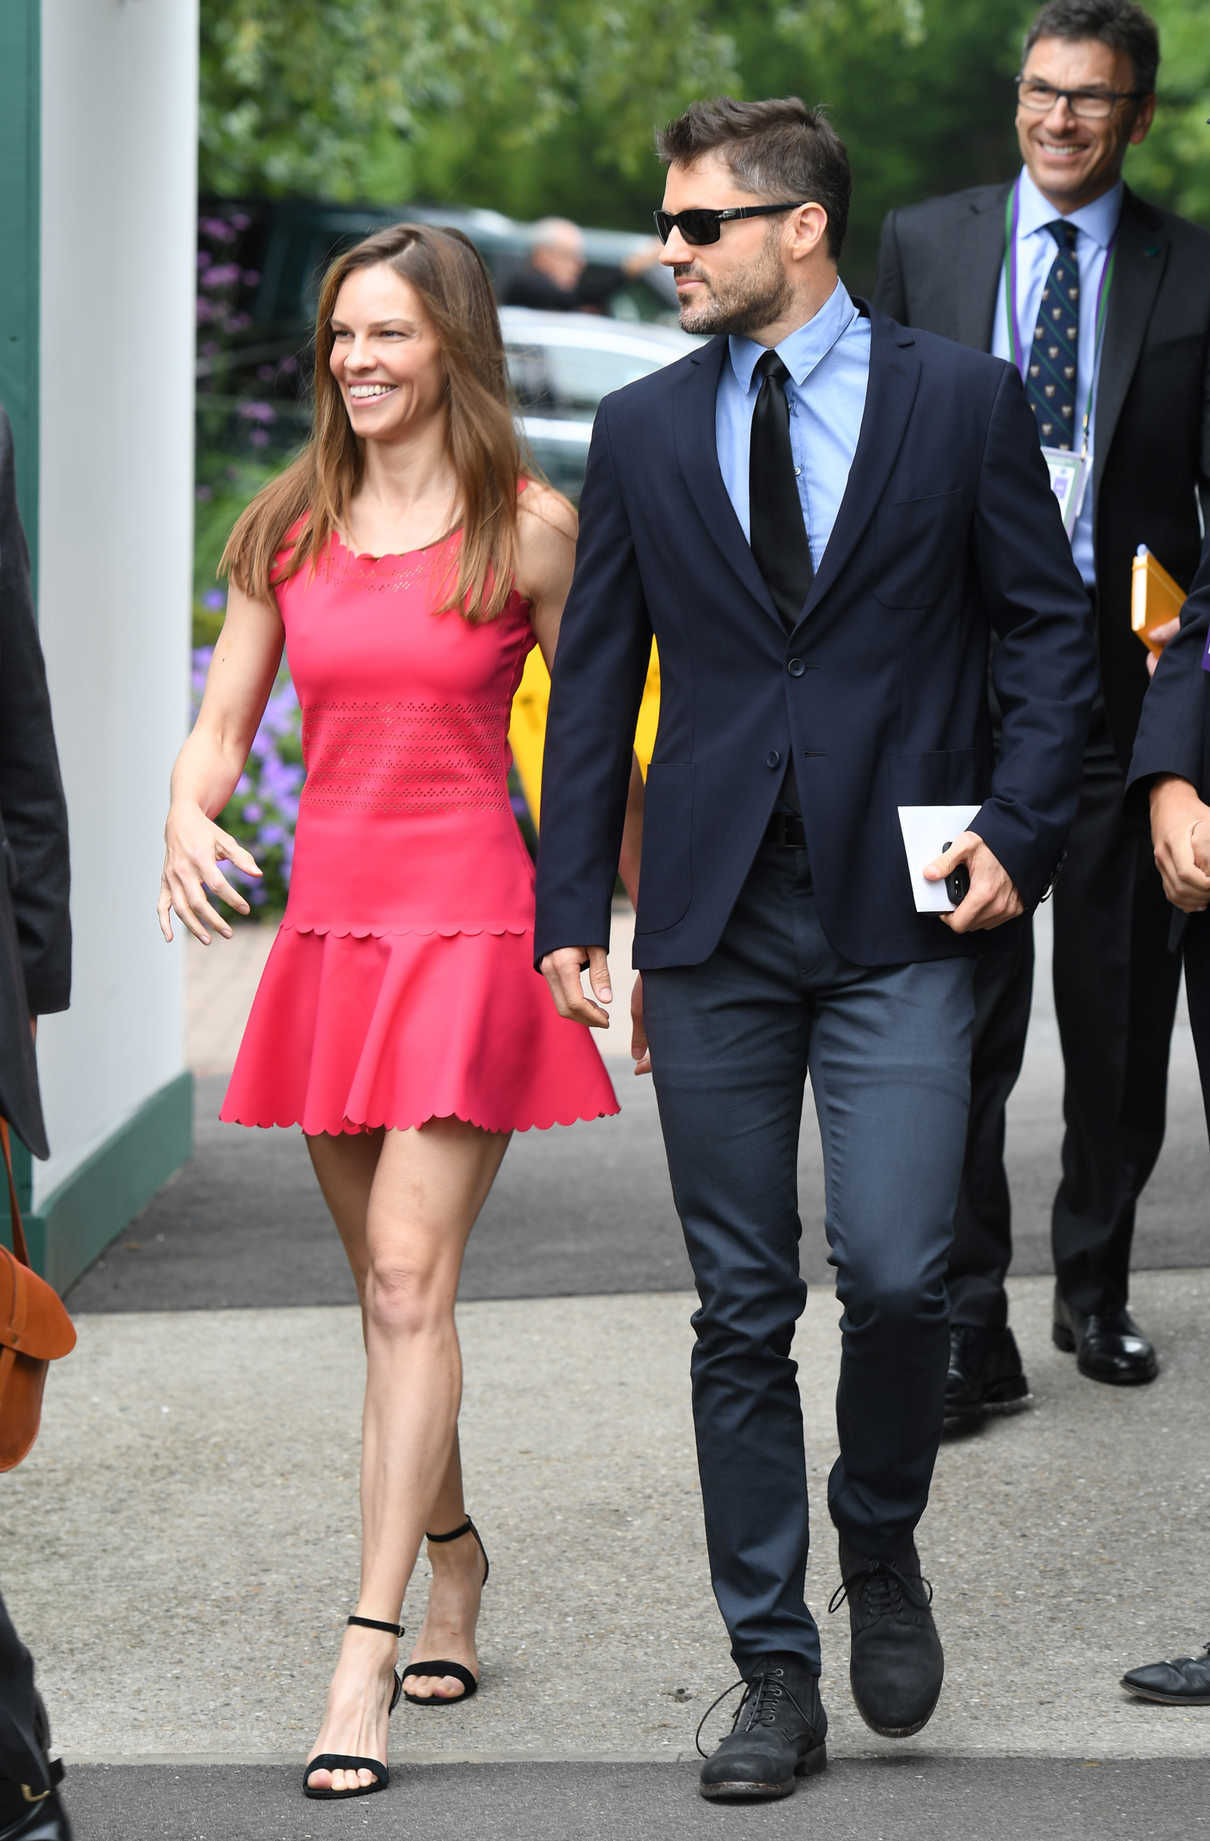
[{"x": 386, "y": 356}]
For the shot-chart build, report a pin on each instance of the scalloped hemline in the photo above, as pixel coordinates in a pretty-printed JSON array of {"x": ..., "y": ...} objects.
[
  {"x": 349, "y": 1128},
  {"x": 448, "y": 932}
]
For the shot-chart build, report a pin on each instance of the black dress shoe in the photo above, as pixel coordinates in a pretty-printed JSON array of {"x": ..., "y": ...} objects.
[
  {"x": 896, "y": 1663},
  {"x": 777, "y": 1735},
  {"x": 1108, "y": 1346},
  {"x": 984, "y": 1376},
  {"x": 1183, "y": 1683}
]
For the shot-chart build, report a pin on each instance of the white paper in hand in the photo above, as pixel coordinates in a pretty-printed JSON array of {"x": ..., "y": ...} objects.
[{"x": 925, "y": 828}]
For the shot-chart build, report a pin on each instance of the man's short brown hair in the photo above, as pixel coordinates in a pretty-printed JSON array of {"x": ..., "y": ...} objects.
[{"x": 779, "y": 149}]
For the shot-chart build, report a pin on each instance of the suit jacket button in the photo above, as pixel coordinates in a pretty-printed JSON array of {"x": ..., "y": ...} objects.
[
  {"x": 773, "y": 758},
  {"x": 795, "y": 667}
]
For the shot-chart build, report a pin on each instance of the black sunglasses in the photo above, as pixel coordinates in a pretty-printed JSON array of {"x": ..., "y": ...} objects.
[{"x": 701, "y": 225}]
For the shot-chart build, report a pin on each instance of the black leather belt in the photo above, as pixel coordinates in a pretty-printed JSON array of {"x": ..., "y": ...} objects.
[{"x": 786, "y": 829}]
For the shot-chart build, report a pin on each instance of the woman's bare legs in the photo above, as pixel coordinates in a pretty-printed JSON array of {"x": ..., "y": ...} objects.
[{"x": 416, "y": 1195}]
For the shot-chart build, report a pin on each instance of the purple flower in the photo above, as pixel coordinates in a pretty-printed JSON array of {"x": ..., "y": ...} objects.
[
  {"x": 259, "y": 438},
  {"x": 250, "y": 277},
  {"x": 204, "y": 494},
  {"x": 217, "y": 228},
  {"x": 205, "y": 312},
  {"x": 221, "y": 275},
  {"x": 214, "y": 598},
  {"x": 240, "y": 220},
  {"x": 253, "y": 812},
  {"x": 272, "y": 835},
  {"x": 257, "y": 412}
]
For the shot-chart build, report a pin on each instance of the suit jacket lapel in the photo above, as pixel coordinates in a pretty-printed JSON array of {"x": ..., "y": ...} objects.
[
  {"x": 978, "y": 257},
  {"x": 894, "y": 379},
  {"x": 697, "y": 454},
  {"x": 1142, "y": 255}
]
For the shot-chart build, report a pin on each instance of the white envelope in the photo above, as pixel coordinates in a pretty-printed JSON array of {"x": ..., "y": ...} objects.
[{"x": 925, "y": 829}]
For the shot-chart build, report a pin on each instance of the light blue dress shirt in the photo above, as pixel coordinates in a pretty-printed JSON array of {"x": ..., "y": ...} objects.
[
  {"x": 1096, "y": 225},
  {"x": 829, "y": 364}
]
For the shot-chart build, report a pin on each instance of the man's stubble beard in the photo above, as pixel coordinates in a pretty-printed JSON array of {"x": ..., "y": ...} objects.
[{"x": 750, "y": 301}]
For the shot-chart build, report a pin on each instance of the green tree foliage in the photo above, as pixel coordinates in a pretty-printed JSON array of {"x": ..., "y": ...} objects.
[
  {"x": 373, "y": 101},
  {"x": 534, "y": 106},
  {"x": 1173, "y": 164}
]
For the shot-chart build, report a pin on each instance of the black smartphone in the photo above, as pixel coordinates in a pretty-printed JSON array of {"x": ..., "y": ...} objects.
[{"x": 958, "y": 882}]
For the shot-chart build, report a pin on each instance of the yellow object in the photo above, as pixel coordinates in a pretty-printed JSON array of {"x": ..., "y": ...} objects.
[
  {"x": 527, "y": 729},
  {"x": 1155, "y": 597}
]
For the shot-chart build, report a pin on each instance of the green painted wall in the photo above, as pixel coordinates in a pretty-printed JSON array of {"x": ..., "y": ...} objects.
[{"x": 20, "y": 89}]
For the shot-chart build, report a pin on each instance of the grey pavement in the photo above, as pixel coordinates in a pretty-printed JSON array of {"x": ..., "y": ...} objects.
[{"x": 181, "y": 1548}]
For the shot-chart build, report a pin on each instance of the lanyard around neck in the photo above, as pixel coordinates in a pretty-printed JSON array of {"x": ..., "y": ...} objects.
[{"x": 1012, "y": 221}]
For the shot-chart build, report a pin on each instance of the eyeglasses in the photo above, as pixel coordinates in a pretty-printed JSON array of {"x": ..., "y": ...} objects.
[
  {"x": 701, "y": 225},
  {"x": 1087, "y": 104}
]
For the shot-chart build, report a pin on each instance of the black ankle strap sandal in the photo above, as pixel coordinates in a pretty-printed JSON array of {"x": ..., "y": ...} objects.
[
  {"x": 344, "y": 1761},
  {"x": 442, "y": 1665}
]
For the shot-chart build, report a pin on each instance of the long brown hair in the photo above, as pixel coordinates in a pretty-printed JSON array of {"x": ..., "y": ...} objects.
[{"x": 447, "y": 273}]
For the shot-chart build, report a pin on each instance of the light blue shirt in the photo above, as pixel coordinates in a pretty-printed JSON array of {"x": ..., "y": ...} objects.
[
  {"x": 1095, "y": 227},
  {"x": 829, "y": 364}
]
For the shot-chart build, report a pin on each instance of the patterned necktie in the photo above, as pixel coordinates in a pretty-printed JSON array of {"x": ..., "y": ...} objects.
[
  {"x": 778, "y": 535},
  {"x": 1050, "y": 382}
]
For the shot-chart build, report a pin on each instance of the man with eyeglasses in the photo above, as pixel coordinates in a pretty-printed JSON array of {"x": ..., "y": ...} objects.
[
  {"x": 822, "y": 518},
  {"x": 1103, "y": 303}
]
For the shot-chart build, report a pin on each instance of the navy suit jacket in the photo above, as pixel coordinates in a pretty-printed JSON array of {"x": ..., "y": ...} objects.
[
  {"x": 1174, "y": 726},
  {"x": 947, "y": 533},
  {"x": 35, "y": 930}
]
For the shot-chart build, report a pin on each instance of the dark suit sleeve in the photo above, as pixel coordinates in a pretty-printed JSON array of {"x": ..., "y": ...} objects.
[
  {"x": 597, "y": 685},
  {"x": 1173, "y": 735},
  {"x": 33, "y": 815},
  {"x": 890, "y": 288},
  {"x": 1044, "y": 668}
]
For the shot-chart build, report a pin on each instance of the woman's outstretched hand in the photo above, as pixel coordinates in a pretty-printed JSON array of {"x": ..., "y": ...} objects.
[{"x": 194, "y": 848}]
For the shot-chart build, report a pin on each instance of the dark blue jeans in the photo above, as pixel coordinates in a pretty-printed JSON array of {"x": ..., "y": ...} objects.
[{"x": 887, "y": 1050}]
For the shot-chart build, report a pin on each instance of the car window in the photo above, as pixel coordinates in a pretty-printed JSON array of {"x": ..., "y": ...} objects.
[{"x": 573, "y": 377}]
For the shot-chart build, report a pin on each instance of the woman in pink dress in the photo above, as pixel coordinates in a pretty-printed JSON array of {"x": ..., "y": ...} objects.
[{"x": 408, "y": 565}]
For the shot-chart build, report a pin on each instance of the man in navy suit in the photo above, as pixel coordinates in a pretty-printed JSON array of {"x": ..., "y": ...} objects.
[
  {"x": 1140, "y": 374},
  {"x": 822, "y": 518},
  {"x": 1171, "y": 761}
]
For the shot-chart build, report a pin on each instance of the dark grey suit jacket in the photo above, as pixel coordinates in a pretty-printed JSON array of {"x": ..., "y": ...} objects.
[
  {"x": 939, "y": 268},
  {"x": 35, "y": 932}
]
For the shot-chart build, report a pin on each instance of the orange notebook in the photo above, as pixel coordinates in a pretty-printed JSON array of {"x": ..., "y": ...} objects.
[{"x": 1154, "y": 596}]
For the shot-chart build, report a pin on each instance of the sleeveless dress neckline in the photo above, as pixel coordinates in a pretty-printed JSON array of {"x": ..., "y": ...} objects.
[
  {"x": 389, "y": 556},
  {"x": 401, "y": 986}
]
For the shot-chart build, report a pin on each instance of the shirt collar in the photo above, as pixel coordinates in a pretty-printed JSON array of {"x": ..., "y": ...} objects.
[
  {"x": 801, "y": 350},
  {"x": 1098, "y": 220}
]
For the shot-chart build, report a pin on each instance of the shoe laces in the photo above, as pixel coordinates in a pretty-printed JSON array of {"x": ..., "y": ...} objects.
[
  {"x": 759, "y": 1706},
  {"x": 883, "y": 1589}
]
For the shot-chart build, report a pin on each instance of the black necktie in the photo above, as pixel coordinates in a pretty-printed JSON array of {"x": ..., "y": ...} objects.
[{"x": 779, "y": 538}]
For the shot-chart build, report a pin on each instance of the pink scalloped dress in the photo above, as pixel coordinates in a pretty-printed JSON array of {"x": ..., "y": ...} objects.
[{"x": 400, "y": 986}]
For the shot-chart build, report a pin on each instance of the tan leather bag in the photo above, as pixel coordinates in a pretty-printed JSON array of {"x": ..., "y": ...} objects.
[{"x": 35, "y": 1330}]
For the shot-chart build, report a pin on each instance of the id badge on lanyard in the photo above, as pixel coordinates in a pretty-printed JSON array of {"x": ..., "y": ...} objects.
[
  {"x": 1069, "y": 481},
  {"x": 1068, "y": 469}
]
